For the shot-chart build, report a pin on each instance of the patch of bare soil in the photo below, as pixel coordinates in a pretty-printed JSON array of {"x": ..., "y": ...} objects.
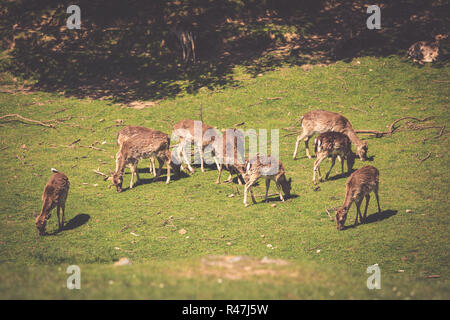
[{"x": 241, "y": 267}]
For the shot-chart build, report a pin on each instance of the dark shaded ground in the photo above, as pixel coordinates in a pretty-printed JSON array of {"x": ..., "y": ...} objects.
[{"x": 126, "y": 51}]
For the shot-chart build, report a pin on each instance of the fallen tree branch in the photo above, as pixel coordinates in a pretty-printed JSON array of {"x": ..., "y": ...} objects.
[
  {"x": 105, "y": 176},
  {"x": 427, "y": 156},
  {"x": 329, "y": 215},
  {"x": 23, "y": 119},
  {"x": 392, "y": 127},
  {"x": 435, "y": 137}
]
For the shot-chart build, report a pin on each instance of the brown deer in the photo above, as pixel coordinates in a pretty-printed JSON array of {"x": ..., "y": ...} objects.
[
  {"x": 426, "y": 51},
  {"x": 142, "y": 147},
  {"x": 55, "y": 195},
  {"x": 185, "y": 130},
  {"x": 232, "y": 140},
  {"x": 359, "y": 185},
  {"x": 320, "y": 121},
  {"x": 132, "y": 131},
  {"x": 334, "y": 145},
  {"x": 270, "y": 169}
]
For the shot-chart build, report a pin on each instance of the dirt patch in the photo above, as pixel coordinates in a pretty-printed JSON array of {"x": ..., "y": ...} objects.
[
  {"x": 241, "y": 267},
  {"x": 142, "y": 104}
]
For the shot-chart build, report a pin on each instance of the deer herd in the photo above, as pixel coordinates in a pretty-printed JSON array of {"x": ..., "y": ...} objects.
[{"x": 336, "y": 135}]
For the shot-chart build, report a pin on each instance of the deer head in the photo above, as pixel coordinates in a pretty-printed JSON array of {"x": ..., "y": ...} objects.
[
  {"x": 341, "y": 216},
  {"x": 362, "y": 149},
  {"x": 286, "y": 186},
  {"x": 116, "y": 179}
]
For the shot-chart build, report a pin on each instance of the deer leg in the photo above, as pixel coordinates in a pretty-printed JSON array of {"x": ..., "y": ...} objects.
[
  {"x": 342, "y": 164},
  {"x": 133, "y": 169},
  {"x": 132, "y": 177},
  {"x": 378, "y": 199},
  {"x": 299, "y": 138},
  {"x": 188, "y": 162},
  {"x": 201, "y": 159},
  {"x": 320, "y": 158},
  {"x": 152, "y": 166},
  {"x": 161, "y": 163},
  {"x": 253, "y": 196},
  {"x": 230, "y": 175},
  {"x": 63, "y": 220},
  {"x": 367, "y": 205},
  {"x": 219, "y": 168},
  {"x": 279, "y": 191},
  {"x": 358, "y": 211},
  {"x": 333, "y": 160},
  {"x": 245, "y": 194},
  {"x": 58, "y": 208},
  {"x": 267, "y": 189},
  {"x": 216, "y": 160},
  {"x": 307, "y": 147},
  {"x": 240, "y": 178},
  {"x": 168, "y": 172}
]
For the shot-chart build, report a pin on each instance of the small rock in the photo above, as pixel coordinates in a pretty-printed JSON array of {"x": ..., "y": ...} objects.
[
  {"x": 274, "y": 205},
  {"x": 269, "y": 245},
  {"x": 400, "y": 270},
  {"x": 231, "y": 195},
  {"x": 409, "y": 211},
  {"x": 228, "y": 243},
  {"x": 116, "y": 248},
  {"x": 122, "y": 262},
  {"x": 134, "y": 234},
  {"x": 182, "y": 231},
  {"x": 318, "y": 251},
  {"x": 262, "y": 236}
]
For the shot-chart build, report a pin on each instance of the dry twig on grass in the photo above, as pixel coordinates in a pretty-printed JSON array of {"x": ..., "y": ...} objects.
[
  {"x": 329, "y": 215},
  {"x": 392, "y": 127},
  {"x": 105, "y": 176},
  {"x": 26, "y": 120},
  {"x": 427, "y": 156}
]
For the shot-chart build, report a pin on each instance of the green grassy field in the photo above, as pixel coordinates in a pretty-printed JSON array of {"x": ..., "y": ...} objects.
[{"x": 309, "y": 258}]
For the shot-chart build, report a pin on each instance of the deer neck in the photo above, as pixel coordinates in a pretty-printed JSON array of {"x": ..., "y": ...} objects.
[
  {"x": 120, "y": 165},
  {"x": 353, "y": 137},
  {"x": 348, "y": 200}
]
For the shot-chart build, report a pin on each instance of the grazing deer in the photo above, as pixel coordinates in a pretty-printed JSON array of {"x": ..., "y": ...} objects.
[
  {"x": 426, "y": 51},
  {"x": 320, "y": 121},
  {"x": 142, "y": 147},
  {"x": 132, "y": 131},
  {"x": 55, "y": 195},
  {"x": 270, "y": 169},
  {"x": 359, "y": 185},
  {"x": 334, "y": 145},
  {"x": 186, "y": 131},
  {"x": 232, "y": 139}
]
